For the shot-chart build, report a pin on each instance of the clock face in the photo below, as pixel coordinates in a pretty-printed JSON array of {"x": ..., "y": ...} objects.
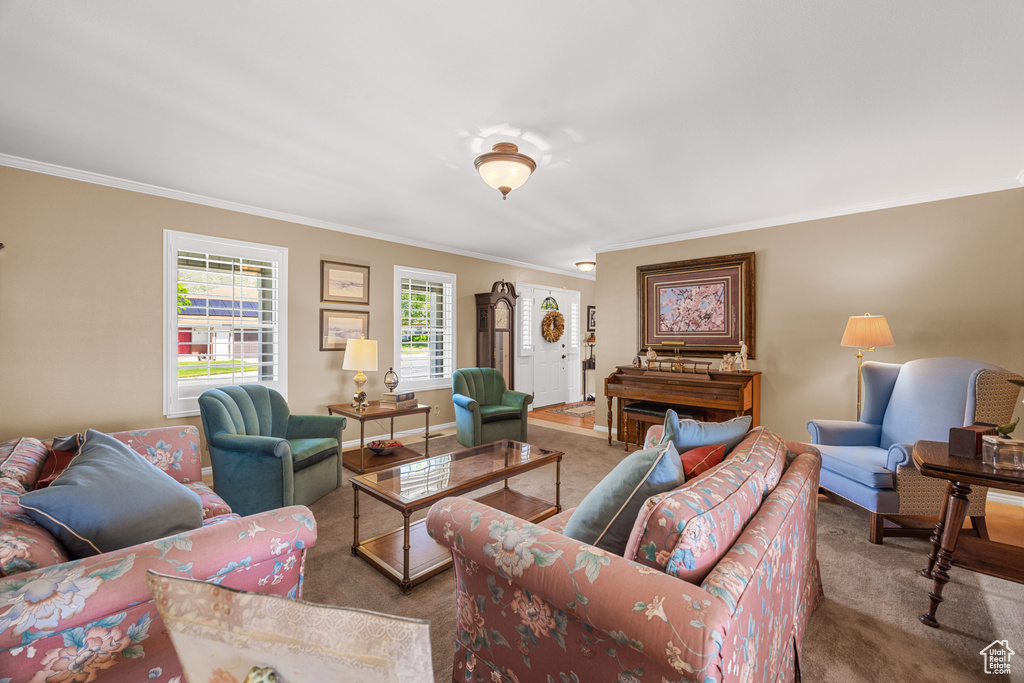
[{"x": 501, "y": 315}]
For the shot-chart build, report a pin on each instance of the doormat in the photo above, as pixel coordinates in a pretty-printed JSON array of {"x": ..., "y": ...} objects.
[{"x": 574, "y": 410}]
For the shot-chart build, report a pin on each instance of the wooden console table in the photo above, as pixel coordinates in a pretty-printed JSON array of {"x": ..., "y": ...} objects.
[
  {"x": 362, "y": 459},
  {"x": 1003, "y": 561}
]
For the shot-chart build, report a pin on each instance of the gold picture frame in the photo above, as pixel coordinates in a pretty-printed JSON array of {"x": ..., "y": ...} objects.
[
  {"x": 337, "y": 327},
  {"x": 344, "y": 283}
]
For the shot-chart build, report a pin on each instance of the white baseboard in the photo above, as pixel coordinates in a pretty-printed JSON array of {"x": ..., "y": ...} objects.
[
  {"x": 1006, "y": 497},
  {"x": 599, "y": 428},
  {"x": 355, "y": 442}
]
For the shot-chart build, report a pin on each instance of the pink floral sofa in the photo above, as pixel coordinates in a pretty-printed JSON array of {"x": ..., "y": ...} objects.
[
  {"x": 718, "y": 581},
  {"x": 77, "y": 621}
]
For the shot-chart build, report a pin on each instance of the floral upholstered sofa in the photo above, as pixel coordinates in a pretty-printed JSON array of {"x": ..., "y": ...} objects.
[
  {"x": 77, "y": 621},
  {"x": 718, "y": 582}
]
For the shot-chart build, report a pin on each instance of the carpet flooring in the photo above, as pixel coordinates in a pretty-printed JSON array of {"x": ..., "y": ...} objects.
[{"x": 866, "y": 630}]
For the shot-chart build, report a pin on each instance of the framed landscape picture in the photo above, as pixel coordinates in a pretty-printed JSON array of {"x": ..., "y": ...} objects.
[
  {"x": 344, "y": 283},
  {"x": 700, "y": 307},
  {"x": 337, "y": 327},
  {"x": 591, "y": 325}
]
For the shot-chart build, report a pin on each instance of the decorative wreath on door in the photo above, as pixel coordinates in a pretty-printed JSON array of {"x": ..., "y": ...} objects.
[{"x": 552, "y": 326}]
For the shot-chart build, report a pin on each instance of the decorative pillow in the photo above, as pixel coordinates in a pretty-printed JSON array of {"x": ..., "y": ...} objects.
[
  {"x": 701, "y": 459},
  {"x": 686, "y": 532},
  {"x": 605, "y": 516},
  {"x": 109, "y": 497},
  {"x": 24, "y": 545},
  {"x": 688, "y": 434},
  {"x": 23, "y": 460},
  {"x": 766, "y": 451},
  {"x": 62, "y": 452}
]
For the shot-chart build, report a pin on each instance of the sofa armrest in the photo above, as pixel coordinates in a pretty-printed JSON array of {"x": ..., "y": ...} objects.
[
  {"x": 258, "y": 550},
  {"x": 649, "y": 619},
  {"x": 175, "y": 450},
  {"x": 466, "y": 403},
  {"x": 843, "y": 433},
  {"x": 316, "y": 427},
  {"x": 898, "y": 456},
  {"x": 244, "y": 443},
  {"x": 516, "y": 399}
]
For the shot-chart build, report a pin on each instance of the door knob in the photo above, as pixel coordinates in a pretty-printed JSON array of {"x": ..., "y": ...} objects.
[{"x": 563, "y": 356}]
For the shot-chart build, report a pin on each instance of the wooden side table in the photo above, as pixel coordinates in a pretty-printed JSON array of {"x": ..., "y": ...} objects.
[
  {"x": 1003, "y": 561},
  {"x": 361, "y": 460}
]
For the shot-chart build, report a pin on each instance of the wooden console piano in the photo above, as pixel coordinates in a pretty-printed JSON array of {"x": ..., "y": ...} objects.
[{"x": 715, "y": 397}]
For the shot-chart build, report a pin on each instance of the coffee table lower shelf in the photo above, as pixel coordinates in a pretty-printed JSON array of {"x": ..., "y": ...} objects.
[
  {"x": 374, "y": 463},
  {"x": 428, "y": 558}
]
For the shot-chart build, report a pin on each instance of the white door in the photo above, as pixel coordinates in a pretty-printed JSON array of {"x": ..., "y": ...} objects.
[{"x": 551, "y": 359}]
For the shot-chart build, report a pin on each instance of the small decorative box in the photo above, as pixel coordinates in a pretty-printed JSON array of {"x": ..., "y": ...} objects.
[
  {"x": 965, "y": 442},
  {"x": 1003, "y": 454}
]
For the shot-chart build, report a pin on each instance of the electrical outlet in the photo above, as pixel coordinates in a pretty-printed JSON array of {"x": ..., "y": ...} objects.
[{"x": 437, "y": 410}]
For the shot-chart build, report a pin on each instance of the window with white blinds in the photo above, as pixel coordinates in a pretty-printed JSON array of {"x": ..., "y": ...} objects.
[
  {"x": 424, "y": 328},
  {"x": 225, "y": 317}
]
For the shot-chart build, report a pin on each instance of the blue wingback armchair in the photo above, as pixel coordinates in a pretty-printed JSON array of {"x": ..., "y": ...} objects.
[
  {"x": 868, "y": 462},
  {"x": 485, "y": 410},
  {"x": 264, "y": 457}
]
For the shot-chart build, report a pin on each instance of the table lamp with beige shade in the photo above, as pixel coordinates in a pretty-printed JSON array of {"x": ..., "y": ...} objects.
[
  {"x": 360, "y": 355},
  {"x": 865, "y": 332}
]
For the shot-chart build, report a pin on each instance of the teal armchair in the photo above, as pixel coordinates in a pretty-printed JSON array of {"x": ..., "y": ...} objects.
[
  {"x": 264, "y": 457},
  {"x": 485, "y": 410}
]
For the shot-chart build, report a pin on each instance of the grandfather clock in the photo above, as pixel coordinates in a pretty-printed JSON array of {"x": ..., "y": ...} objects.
[{"x": 495, "y": 323}]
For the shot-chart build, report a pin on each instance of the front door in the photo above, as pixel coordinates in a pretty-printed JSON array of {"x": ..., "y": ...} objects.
[{"x": 551, "y": 357}]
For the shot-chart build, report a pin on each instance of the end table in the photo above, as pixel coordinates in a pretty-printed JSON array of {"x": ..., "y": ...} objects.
[{"x": 361, "y": 460}]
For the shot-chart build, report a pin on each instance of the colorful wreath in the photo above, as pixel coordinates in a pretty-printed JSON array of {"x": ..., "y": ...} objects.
[{"x": 552, "y": 326}]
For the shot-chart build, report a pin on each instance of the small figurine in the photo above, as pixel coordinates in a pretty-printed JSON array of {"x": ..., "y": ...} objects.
[
  {"x": 727, "y": 363},
  {"x": 359, "y": 400},
  {"x": 741, "y": 357},
  {"x": 652, "y": 356}
]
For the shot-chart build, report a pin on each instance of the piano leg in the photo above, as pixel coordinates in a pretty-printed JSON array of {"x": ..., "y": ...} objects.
[{"x": 609, "y": 420}]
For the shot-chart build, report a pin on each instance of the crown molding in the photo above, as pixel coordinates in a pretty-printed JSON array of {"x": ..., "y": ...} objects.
[
  {"x": 923, "y": 198},
  {"x": 180, "y": 195}
]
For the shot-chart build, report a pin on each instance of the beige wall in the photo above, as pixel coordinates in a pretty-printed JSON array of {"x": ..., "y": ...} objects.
[
  {"x": 948, "y": 275},
  {"x": 81, "y": 314}
]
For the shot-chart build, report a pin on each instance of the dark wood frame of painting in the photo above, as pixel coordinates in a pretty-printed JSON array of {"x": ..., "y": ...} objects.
[
  {"x": 326, "y": 299},
  {"x": 741, "y": 264},
  {"x": 591, "y": 318},
  {"x": 324, "y": 312}
]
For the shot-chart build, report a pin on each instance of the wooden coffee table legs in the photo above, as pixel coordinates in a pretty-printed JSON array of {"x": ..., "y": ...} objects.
[{"x": 941, "y": 559}]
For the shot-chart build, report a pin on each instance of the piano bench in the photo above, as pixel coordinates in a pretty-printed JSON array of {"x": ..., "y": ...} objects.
[{"x": 646, "y": 414}]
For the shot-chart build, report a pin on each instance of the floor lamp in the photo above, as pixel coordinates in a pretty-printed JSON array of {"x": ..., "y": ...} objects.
[{"x": 865, "y": 332}]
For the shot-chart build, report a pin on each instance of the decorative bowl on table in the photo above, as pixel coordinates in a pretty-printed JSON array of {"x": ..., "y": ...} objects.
[{"x": 383, "y": 446}]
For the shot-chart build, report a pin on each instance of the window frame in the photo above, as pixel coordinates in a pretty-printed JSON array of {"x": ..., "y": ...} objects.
[
  {"x": 174, "y": 404},
  {"x": 408, "y": 272}
]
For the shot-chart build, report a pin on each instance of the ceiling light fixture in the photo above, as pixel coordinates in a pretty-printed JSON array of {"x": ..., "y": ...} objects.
[
  {"x": 585, "y": 266},
  {"x": 504, "y": 168}
]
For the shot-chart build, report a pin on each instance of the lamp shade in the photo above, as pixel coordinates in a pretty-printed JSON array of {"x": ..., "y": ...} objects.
[
  {"x": 360, "y": 354},
  {"x": 505, "y": 168},
  {"x": 866, "y": 331},
  {"x": 585, "y": 266}
]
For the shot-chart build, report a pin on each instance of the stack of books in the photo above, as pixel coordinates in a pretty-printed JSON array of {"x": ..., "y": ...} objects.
[{"x": 391, "y": 400}]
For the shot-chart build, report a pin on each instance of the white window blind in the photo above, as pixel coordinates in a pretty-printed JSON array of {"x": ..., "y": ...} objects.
[
  {"x": 526, "y": 327},
  {"x": 574, "y": 328},
  {"x": 424, "y": 328},
  {"x": 225, "y": 312}
]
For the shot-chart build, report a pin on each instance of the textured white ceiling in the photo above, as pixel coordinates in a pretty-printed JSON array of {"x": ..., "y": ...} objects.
[{"x": 649, "y": 121}]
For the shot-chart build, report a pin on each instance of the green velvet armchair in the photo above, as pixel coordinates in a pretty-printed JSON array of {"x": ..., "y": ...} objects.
[
  {"x": 264, "y": 457},
  {"x": 485, "y": 410}
]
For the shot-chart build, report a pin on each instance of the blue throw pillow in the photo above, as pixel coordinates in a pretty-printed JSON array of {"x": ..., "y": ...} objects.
[
  {"x": 110, "y": 497},
  {"x": 605, "y": 517},
  {"x": 689, "y": 434}
]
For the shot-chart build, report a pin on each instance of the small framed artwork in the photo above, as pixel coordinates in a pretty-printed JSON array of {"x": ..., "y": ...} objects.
[
  {"x": 591, "y": 327},
  {"x": 701, "y": 306},
  {"x": 344, "y": 283},
  {"x": 337, "y": 327}
]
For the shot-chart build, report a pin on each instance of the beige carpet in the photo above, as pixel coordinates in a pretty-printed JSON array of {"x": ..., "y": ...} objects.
[{"x": 866, "y": 630}]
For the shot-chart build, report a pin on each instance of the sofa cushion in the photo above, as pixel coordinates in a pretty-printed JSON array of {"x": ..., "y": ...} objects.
[
  {"x": 24, "y": 545},
  {"x": 766, "y": 451},
  {"x": 308, "y": 452},
  {"x": 22, "y": 460},
  {"x": 109, "y": 497},
  {"x": 605, "y": 517},
  {"x": 688, "y": 434},
  {"x": 863, "y": 464},
  {"x": 496, "y": 413},
  {"x": 701, "y": 459},
  {"x": 687, "y": 531}
]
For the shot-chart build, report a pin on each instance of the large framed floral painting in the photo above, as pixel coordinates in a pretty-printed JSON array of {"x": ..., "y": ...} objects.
[{"x": 701, "y": 306}]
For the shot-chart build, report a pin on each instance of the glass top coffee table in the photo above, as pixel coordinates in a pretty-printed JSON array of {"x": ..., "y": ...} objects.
[{"x": 407, "y": 555}]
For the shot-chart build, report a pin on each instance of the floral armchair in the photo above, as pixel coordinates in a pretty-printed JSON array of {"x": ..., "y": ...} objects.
[
  {"x": 75, "y": 620},
  {"x": 534, "y": 605}
]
